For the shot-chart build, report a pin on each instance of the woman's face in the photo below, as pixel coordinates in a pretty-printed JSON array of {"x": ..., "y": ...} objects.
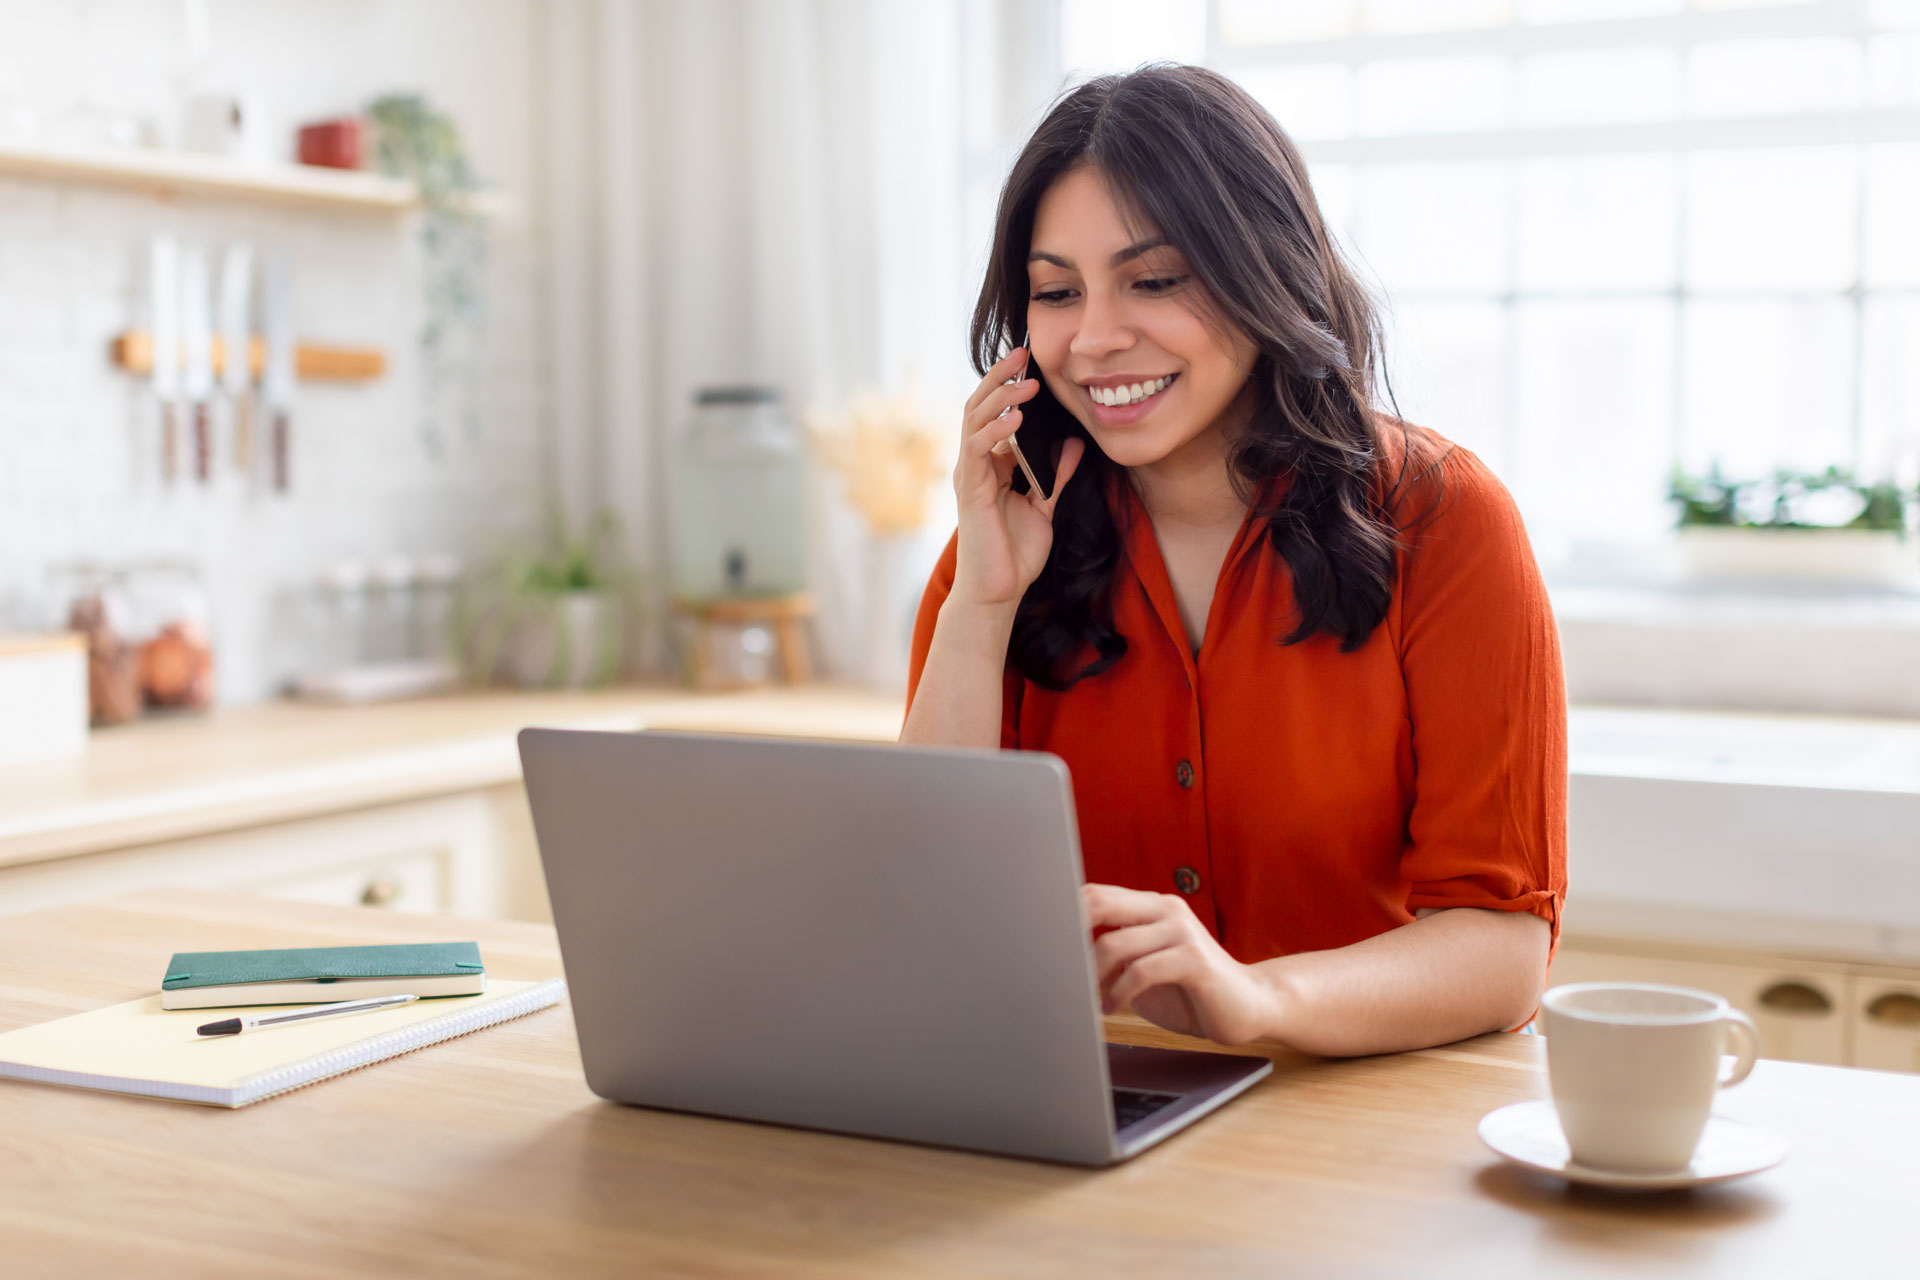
[{"x": 1104, "y": 313}]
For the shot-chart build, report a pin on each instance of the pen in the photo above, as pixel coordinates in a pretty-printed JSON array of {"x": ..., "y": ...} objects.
[{"x": 251, "y": 1022}]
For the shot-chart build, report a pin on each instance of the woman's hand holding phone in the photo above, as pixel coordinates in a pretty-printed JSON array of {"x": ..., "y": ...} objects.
[{"x": 1004, "y": 536}]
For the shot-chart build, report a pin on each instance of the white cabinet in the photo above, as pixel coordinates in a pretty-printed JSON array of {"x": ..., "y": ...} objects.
[
  {"x": 470, "y": 853},
  {"x": 1800, "y": 1009},
  {"x": 1807, "y": 1011},
  {"x": 1886, "y": 1022}
]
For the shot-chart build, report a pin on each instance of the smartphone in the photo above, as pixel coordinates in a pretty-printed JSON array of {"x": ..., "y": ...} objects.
[{"x": 1013, "y": 441}]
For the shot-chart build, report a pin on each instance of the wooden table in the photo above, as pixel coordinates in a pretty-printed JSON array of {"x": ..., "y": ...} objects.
[{"x": 487, "y": 1156}]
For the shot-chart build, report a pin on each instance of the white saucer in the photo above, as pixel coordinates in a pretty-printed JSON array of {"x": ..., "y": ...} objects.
[{"x": 1528, "y": 1133}]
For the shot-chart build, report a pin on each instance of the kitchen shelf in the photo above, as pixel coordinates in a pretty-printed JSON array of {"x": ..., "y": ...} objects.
[
  {"x": 133, "y": 351},
  {"x": 172, "y": 173}
]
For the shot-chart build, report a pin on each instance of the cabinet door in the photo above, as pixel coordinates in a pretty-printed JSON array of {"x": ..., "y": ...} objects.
[
  {"x": 1801, "y": 1013},
  {"x": 420, "y": 881},
  {"x": 1886, "y": 1024},
  {"x": 436, "y": 854}
]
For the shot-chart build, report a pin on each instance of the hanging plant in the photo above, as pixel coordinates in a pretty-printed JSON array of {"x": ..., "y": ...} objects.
[{"x": 411, "y": 140}]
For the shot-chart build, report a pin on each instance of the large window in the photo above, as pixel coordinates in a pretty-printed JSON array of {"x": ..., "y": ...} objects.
[{"x": 1613, "y": 236}]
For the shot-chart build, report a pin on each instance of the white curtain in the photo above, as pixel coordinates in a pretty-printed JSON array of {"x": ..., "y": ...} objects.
[{"x": 754, "y": 190}]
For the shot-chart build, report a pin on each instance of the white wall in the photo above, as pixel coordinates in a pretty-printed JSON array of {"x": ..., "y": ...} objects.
[{"x": 79, "y": 439}]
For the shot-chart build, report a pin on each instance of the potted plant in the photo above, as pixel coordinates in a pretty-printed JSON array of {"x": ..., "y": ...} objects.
[
  {"x": 1823, "y": 526},
  {"x": 554, "y": 619}
]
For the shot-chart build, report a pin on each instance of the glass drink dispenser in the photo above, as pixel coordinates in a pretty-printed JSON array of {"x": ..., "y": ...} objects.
[{"x": 736, "y": 499}]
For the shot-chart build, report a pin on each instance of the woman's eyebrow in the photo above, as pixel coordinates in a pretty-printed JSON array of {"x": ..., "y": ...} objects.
[{"x": 1125, "y": 255}]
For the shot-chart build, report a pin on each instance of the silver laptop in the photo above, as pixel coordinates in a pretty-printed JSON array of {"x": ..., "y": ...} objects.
[{"x": 877, "y": 940}]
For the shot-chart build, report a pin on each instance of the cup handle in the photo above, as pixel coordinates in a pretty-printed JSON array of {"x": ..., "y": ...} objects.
[{"x": 1741, "y": 1028}]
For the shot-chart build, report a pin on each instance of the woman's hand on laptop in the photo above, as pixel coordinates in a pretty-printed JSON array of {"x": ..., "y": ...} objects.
[{"x": 1152, "y": 953}]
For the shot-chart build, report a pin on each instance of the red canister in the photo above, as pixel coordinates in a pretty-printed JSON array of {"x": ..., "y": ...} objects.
[{"x": 335, "y": 144}]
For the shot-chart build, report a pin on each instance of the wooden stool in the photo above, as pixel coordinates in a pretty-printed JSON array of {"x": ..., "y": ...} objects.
[{"x": 785, "y": 616}]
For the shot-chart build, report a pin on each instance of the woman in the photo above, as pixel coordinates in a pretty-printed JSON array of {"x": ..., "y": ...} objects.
[{"x": 1294, "y": 651}]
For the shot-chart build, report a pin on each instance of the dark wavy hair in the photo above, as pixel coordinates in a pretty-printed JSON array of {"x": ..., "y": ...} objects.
[{"x": 1189, "y": 155}]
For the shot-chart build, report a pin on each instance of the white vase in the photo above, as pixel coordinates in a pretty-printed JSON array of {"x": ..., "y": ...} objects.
[
  {"x": 893, "y": 595},
  {"x": 567, "y": 641},
  {"x": 1859, "y": 556}
]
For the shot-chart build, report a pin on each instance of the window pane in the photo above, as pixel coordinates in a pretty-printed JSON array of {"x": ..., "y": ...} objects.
[
  {"x": 1433, "y": 15},
  {"x": 1333, "y": 186},
  {"x": 1101, "y": 36},
  {"x": 1429, "y": 95},
  {"x": 1593, "y": 416},
  {"x": 1893, "y": 194},
  {"x": 1588, "y": 10},
  {"x": 1894, "y": 13},
  {"x": 1890, "y": 390},
  {"x": 1765, "y": 385},
  {"x": 1748, "y": 4},
  {"x": 1893, "y": 70},
  {"x": 1314, "y": 101},
  {"x": 1244, "y": 22},
  {"x": 1435, "y": 226},
  {"x": 1599, "y": 222},
  {"x": 1448, "y": 365},
  {"x": 1751, "y": 77},
  {"x": 1775, "y": 218},
  {"x": 1602, "y": 87}
]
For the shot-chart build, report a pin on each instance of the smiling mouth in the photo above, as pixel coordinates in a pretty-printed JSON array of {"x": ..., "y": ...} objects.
[{"x": 1137, "y": 393}]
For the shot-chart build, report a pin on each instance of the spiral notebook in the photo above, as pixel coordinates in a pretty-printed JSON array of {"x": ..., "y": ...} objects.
[{"x": 138, "y": 1047}]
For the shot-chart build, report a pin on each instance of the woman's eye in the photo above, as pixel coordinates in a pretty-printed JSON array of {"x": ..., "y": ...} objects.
[{"x": 1158, "y": 285}]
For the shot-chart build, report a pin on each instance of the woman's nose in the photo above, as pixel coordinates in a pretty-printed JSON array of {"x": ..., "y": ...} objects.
[{"x": 1103, "y": 329}]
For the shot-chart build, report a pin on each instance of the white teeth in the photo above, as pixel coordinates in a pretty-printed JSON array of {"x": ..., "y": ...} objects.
[{"x": 1129, "y": 395}]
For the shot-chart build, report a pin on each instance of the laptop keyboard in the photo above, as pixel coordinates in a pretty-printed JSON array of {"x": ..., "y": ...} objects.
[{"x": 1130, "y": 1106}]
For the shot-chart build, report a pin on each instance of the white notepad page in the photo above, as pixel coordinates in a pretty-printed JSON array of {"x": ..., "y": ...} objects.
[{"x": 138, "y": 1047}]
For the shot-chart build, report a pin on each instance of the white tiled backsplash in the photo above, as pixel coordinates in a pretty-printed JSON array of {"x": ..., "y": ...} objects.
[{"x": 79, "y": 438}]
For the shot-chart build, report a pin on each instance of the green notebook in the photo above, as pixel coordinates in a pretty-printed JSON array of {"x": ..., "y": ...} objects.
[{"x": 314, "y": 975}]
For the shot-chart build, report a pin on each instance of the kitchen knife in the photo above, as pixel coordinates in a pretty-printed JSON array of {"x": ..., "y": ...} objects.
[
  {"x": 276, "y": 385},
  {"x": 165, "y": 304},
  {"x": 236, "y": 337},
  {"x": 197, "y": 338}
]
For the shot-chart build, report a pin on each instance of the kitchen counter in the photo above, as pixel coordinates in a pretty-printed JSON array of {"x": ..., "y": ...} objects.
[
  {"x": 1782, "y": 832},
  {"x": 1785, "y": 833},
  {"x": 170, "y": 779}
]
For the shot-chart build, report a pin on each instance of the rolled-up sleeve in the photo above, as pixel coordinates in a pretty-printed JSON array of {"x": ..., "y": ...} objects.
[{"x": 1487, "y": 700}]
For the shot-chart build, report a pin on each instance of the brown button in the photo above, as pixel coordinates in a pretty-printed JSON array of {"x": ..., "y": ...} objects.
[
  {"x": 1186, "y": 880},
  {"x": 1184, "y": 772}
]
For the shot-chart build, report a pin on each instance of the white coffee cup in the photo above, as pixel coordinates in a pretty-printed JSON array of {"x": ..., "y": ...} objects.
[{"x": 1634, "y": 1067}]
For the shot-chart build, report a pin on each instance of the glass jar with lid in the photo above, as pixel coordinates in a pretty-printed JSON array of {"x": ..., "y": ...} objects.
[
  {"x": 736, "y": 503},
  {"x": 96, "y": 603},
  {"x": 173, "y": 616}
]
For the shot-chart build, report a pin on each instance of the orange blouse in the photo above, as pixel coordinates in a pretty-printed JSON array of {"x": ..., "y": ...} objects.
[{"x": 1301, "y": 798}]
